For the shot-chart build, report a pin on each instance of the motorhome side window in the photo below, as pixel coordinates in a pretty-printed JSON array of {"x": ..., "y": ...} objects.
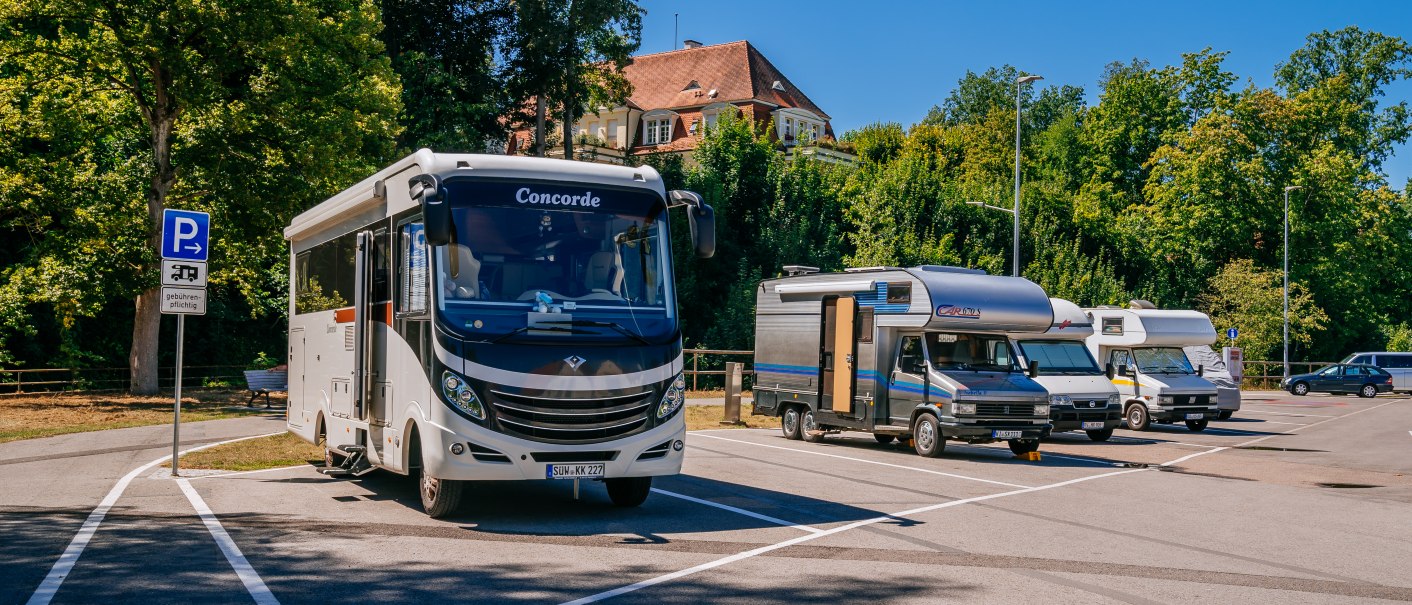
[
  {"x": 412, "y": 252},
  {"x": 910, "y": 356},
  {"x": 323, "y": 275},
  {"x": 973, "y": 352},
  {"x": 899, "y": 293}
]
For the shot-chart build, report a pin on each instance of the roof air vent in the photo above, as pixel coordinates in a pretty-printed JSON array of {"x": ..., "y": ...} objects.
[
  {"x": 1138, "y": 303},
  {"x": 778, "y": 86},
  {"x": 793, "y": 270},
  {"x": 712, "y": 94},
  {"x": 692, "y": 86}
]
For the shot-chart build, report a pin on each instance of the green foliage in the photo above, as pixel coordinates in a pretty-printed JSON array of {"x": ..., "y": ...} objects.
[
  {"x": 1399, "y": 337},
  {"x": 1250, "y": 299}
]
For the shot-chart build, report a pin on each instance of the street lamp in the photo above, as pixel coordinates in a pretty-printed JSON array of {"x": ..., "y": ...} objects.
[
  {"x": 1015, "y": 212},
  {"x": 1286, "y": 286}
]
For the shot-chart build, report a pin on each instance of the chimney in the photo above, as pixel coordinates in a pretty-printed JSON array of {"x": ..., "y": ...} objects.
[{"x": 690, "y": 44}]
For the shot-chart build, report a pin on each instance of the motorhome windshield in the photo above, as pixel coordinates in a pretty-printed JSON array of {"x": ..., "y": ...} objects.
[
  {"x": 555, "y": 262},
  {"x": 972, "y": 352},
  {"x": 1060, "y": 357},
  {"x": 1162, "y": 360}
]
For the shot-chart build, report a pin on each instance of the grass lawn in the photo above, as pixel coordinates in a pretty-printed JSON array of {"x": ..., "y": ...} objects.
[
  {"x": 44, "y": 415},
  {"x": 274, "y": 451}
]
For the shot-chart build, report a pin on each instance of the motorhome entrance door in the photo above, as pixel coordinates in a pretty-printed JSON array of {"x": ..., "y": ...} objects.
[
  {"x": 840, "y": 348},
  {"x": 371, "y": 297}
]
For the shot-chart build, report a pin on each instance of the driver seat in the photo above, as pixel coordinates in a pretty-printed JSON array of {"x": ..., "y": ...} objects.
[
  {"x": 603, "y": 273},
  {"x": 466, "y": 282}
]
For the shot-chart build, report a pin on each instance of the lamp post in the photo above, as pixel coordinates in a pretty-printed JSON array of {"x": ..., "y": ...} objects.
[
  {"x": 1286, "y": 285},
  {"x": 1015, "y": 212}
]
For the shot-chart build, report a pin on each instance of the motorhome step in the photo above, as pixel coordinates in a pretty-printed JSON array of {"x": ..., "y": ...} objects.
[
  {"x": 892, "y": 429},
  {"x": 335, "y": 471},
  {"x": 353, "y": 449}
]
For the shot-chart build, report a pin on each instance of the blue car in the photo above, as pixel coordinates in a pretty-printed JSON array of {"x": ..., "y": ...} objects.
[{"x": 1363, "y": 379}]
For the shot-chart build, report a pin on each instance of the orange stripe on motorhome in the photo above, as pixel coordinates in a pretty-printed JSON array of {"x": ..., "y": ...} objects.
[{"x": 381, "y": 312}]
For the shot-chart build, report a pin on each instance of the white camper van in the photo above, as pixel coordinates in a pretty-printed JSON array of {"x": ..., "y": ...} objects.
[
  {"x": 1157, "y": 382},
  {"x": 1081, "y": 396},
  {"x": 475, "y": 317}
]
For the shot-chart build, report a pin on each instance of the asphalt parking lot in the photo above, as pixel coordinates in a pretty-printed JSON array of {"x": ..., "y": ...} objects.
[{"x": 1296, "y": 499}]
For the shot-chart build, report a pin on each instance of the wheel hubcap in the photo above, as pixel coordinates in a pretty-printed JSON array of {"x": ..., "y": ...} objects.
[
  {"x": 926, "y": 436},
  {"x": 429, "y": 487},
  {"x": 809, "y": 421},
  {"x": 1135, "y": 417},
  {"x": 791, "y": 421}
]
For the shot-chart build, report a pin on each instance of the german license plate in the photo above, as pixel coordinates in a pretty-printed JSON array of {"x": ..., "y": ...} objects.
[
  {"x": 1195, "y": 416},
  {"x": 573, "y": 471},
  {"x": 1093, "y": 426},
  {"x": 1005, "y": 434}
]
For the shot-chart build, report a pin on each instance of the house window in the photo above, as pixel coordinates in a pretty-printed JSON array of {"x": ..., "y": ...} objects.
[
  {"x": 657, "y": 131},
  {"x": 612, "y": 135},
  {"x": 788, "y": 128}
]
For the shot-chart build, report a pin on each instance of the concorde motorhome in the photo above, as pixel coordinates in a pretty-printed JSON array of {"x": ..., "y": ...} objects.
[
  {"x": 916, "y": 353},
  {"x": 469, "y": 317},
  {"x": 1154, "y": 376},
  {"x": 1081, "y": 396}
]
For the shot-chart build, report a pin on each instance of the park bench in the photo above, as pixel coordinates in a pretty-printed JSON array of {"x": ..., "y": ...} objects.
[{"x": 262, "y": 382}]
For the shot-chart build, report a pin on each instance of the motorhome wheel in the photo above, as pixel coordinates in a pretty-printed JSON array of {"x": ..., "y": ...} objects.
[
  {"x": 884, "y": 439},
  {"x": 1225, "y": 414},
  {"x": 789, "y": 423},
  {"x": 332, "y": 459},
  {"x": 1138, "y": 420},
  {"x": 1024, "y": 446},
  {"x": 1196, "y": 425},
  {"x": 927, "y": 438},
  {"x": 629, "y": 491},
  {"x": 811, "y": 431},
  {"x": 440, "y": 497},
  {"x": 1102, "y": 435}
]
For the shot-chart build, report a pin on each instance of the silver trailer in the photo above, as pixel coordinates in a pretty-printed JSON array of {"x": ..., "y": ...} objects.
[{"x": 917, "y": 353}]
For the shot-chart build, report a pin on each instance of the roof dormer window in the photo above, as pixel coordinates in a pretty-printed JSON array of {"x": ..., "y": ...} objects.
[
  {"x": 778, "y": 86},
  {"x": 692, "y": 86}
]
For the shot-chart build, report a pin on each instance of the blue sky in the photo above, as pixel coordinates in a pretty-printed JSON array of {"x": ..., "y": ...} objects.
[{"x": 864, "y": 62}]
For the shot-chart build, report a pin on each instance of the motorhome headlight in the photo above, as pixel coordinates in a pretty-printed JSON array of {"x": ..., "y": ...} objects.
[
  {"x": 1041, "y": 409},
  {"x": 1114, "y": 399},
  {"x": 1164, "y": 400},
  {"x": 1060, "y": 400},
  {"x": 964, "y": 408},
  {"x": 460, "y": 394},
  {"x": 673, "y": 398}
]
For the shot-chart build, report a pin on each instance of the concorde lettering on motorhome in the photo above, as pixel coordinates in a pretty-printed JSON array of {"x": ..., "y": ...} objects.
[
  {"x": 1157, "y": 381},
  {"x": 470, "y": 317},
  {"x": 1081, "y": 396},
  {"x": 916, "y": 354}
]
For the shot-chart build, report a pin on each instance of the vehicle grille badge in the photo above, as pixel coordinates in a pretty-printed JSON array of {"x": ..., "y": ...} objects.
[{"x": 574, "y": 361}]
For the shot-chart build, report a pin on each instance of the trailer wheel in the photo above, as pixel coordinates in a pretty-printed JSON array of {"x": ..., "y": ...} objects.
[
  {"x": 628, "y": 492},
  {"x": 789, "y": 423},
  {"x": 1100, "y": 435},
  {"x": 1024, "y": 446},
  {"x": 884, "y": 439},
  {"x": 927, "y": 437},
  {"x": 1137, "y": 417},
  {"x": 1196, "y": 426},
  {"x": 440, "y": 497},
  {"x": 809, "y": 429}
]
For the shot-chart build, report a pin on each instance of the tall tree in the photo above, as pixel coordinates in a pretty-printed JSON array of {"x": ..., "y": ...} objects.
[{"x": 242, "y": 109}]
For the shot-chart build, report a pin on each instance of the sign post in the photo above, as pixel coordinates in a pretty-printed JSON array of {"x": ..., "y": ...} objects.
[{"x": 185, "y": 239}]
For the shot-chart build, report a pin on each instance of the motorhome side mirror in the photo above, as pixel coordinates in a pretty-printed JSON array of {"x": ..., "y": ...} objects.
[
  {"x": 1034, "y": 369},
  {"x": 436, "y": 213},
  {"x": 702, "y": 220},
  {"x": 1108, "y": 370},
  {"x": 1124, "y": 370}
]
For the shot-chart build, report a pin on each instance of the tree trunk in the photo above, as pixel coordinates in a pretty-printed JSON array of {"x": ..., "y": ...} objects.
[
  {"x": 539, "y": 125},
  {"x": 147, "y": 323}
]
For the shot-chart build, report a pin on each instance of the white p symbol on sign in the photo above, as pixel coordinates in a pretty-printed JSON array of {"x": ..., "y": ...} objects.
[{"x": 184, "y": 229}]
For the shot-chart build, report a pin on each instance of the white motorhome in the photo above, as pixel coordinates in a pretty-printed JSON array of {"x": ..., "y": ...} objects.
[
  {"x": 1081, "y": 396},
  {"x": 1219, "y": 374},
  {"x": 1155, "y": 378},
  {"x": 917, "y": 354},
  {"x": 470, "y": 317}
]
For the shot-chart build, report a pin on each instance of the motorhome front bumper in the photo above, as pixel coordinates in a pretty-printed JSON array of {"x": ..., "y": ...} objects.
[
  {"x": 980, "y": 430},
  {"x": 1174, "y": 414},
  {"x": 1071, "y": 419}
]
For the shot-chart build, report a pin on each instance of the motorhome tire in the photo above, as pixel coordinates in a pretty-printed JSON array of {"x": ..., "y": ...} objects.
[
  {"x": 1024, "y": 446},
  {"x": 789, "y": 422},
  {"x": 1100, "y": 435},
  {"x": 1137, "y": 417},
  {"x": 1196, "y": 425},
  {"x": 1300, "y": 389},
  {"x": 927, "y": 438},
  {"x": 884, "y": 439},
  {"x": 1368, "y": 391},
  {"x": 1225, "y": 415},
  {"x": 440, "y": 497},
  {"x": 810, "y": 430},
  {"x": 628, "y": 492}
]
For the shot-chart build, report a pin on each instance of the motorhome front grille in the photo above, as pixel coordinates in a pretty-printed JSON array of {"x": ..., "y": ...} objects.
[
  {"x": 555, "y": 419},
  {"x": 1004, "y": 409},
  {"x": 1191, "y": 399}
]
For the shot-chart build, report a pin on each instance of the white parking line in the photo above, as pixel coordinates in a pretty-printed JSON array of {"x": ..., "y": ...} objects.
[
  {"x": 1155, "y": 442},
  {"x": 1255, "y": 441},
  {"x": 739, "y": 511},
  {"x": 263, "y": 470},
  {"x": 901, "y": 466},
  {"x": 253, "y": 584},
  {"x": 828, "y": 532},
  {"x": 45, "y": 592},
  {"x": 1278, "y": 422}
]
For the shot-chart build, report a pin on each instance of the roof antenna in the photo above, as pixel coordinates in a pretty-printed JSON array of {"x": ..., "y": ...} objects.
[{"x": 676, "y": 29}]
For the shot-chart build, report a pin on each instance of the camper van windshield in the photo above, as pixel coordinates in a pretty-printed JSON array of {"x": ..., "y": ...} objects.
[
  {"x": 1162, "y": 360},
  {"x": 597, "y": 268},
  {"x": 1060, "y": 357},
  {"x": 973, "y": 352}
]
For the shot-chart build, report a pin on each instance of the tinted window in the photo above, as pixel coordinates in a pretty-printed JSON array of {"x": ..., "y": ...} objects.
[
  {"x": 1362, "y": 359},
  {"x": 323, "y": 275},
  {"x": 909, "y": 358},
  {"x": 1394, "y": 361}
]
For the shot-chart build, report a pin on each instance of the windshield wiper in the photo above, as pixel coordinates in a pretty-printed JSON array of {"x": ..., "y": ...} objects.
[
  {"x": 599, "y": 324},
  {"x": 536, "y": 327}
]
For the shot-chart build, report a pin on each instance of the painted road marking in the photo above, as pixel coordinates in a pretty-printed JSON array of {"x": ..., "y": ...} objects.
[
  {"x": 253, "y": 584},
  {"x": 65, "y": 564},
  {"x": 739, "y": 511},
  {"x": 1255, "y": 441},
  {"x": 828, "y": 532},
  {"x": 901, "y": 466},
  {"x": 237, "y": 474}
]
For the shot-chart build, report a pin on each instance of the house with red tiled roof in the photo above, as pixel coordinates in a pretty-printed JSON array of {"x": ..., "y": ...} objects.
[{"x": 677, "y": 95}]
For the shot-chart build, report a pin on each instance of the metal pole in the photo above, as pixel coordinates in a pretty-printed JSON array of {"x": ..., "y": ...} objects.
[
  {"x": 1016, "y": 269},
  {"x": 176, "y": 410},
  {"x": 1285, "y": 289}
]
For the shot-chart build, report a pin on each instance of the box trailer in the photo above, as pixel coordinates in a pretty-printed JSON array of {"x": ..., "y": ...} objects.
[
  {"x": 1081, "y": 396},
  {"x": 918, "y": 353},
  {"x": 1154, "y": 376}
]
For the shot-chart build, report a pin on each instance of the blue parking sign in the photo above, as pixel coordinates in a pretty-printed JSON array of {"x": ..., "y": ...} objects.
[{"x": 185, "y": 234}]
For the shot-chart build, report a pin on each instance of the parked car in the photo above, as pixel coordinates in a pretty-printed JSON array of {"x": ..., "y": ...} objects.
[
  {"x": 1397, "y": 364},
  {"x": 1366, "y": 380}
]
